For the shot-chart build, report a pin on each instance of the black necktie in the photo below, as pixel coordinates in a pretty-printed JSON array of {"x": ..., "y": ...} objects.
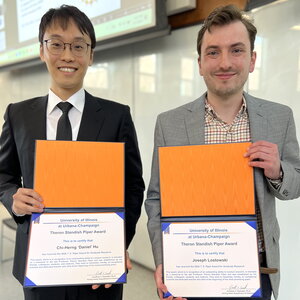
[{"x": 64, "y": 129}]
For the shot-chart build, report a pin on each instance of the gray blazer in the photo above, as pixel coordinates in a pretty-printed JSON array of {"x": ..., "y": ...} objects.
[{"x": 269, "y": 121}]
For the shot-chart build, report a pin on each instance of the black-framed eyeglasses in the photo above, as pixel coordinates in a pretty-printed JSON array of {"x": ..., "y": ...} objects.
[{"x": 56, "y": 47}]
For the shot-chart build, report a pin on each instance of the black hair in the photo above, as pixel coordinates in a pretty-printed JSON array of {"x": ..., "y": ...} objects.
[{"x": 62, "y": 15}]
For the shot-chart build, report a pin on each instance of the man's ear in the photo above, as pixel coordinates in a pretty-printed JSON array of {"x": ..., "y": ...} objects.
[
  {"x": 252, "y": 62},
  {"x": 91, "y": 57},
  {"x": 42, "y": 53},
  {"x": 199, "y": 64}
]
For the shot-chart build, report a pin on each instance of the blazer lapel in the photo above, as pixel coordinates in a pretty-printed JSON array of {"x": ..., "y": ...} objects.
[
  {"x": 34, "y": 129},
  {"x": 92, "y": 119},
  {"x": 195, "y": 120},
  {"x": 258, "y": 131},
  {"x": 38, "y": 118},
  {"x": 257, "y": 118}
]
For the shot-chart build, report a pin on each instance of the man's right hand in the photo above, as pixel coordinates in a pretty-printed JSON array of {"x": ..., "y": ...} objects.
[
  {"x": 161, "y": 287},
  {"x": 26, "y": 202}
]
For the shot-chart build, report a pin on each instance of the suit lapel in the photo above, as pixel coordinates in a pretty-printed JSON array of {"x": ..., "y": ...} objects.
[
  {"x": 34, "y": 128},
  {"x": 38, "y": 118},
  {"x": 258, "y": 119},
  {"x": 194, "y": 121},
  {"x": 259, "y": 131},
  {"x": 92, "y": 119}
]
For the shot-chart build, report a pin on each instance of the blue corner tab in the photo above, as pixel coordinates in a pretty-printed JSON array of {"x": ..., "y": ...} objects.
[
  {"x": 167, "y": 294},
  {"x": 252, "y": 224},
  {"x": 122, "y": 279},
  {"x": 34, "y": 217},
  {"x": 121, "y": 214},
  {"x": 28, "y": 282},
  {"x": 257, "y": 294},
  {"x": 165, "y": 226}
]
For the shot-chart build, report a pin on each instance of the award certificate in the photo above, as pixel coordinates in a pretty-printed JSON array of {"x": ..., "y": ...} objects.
[
  {"x": 211, "y": 259},
  {"x": 76, "y": 249}
]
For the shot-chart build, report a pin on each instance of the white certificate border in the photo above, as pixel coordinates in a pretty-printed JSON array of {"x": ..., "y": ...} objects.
[
  {"x": 27, "y": 283},
  {"x": 165, "y": 224}
]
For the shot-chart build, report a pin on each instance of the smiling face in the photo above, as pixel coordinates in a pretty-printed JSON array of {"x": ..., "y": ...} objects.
[
  {"x": 67, "y": 71},
  {"x": 226, "y": 59}
]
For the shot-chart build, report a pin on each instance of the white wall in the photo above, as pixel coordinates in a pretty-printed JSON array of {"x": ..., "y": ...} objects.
[{"x": 161, "y": 74}]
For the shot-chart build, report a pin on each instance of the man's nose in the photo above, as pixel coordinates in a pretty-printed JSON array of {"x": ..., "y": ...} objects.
[
  {"x": 225, "y": 61},
  {"x": 67, "y": 53}
]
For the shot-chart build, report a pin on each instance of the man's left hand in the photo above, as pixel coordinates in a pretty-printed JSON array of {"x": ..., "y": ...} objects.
[
  {"x": 128, "y": 266},
  {"x": 265, "y": 155}
]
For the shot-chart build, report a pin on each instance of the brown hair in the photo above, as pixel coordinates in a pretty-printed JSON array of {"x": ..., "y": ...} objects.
[{"x": 225, "y": 15}]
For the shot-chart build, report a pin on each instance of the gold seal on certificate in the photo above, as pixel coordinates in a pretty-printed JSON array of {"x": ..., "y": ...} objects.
[
  {"x": 208, "y": 221},
  {"x": 79, "y": 239}
]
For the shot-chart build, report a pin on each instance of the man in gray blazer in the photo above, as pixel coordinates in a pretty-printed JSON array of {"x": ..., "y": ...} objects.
[
  {"x": 225, "y": 113},
  {"x": 67, "y": 42}
]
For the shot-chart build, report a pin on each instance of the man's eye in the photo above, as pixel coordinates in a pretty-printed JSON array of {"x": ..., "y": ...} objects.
[
  {"x": 237, "y": 51},
  {"x": 55, "y": 45},
  {"x": 212, "y": 53},
  {"x": 78, "y": 46}
]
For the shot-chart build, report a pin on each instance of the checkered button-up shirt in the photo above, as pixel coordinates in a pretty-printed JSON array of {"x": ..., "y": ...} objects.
[{"x": 217, "y": 131}]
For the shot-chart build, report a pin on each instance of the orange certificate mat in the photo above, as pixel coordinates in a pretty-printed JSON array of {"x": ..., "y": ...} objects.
[
  {"x": 206, "y": 180},
  {"x": 79, "y": 174}
]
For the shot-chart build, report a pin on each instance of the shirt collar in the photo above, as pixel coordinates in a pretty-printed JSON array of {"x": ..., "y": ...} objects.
[
  {"x": 210, "y": 110},
  {"x": 77, "y": 100}
]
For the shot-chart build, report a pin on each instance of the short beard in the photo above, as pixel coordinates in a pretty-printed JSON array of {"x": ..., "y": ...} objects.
[{"x": 226, "y": 93}]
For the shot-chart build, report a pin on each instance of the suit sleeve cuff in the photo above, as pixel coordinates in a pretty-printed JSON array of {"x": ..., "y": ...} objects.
[{"x": 15, "y": 214}]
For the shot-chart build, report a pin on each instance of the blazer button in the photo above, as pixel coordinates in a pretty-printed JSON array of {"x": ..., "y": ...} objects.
[{"x": 285, "y": 193}]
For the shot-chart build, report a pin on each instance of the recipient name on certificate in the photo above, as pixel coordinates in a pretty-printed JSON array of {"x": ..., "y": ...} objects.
[
  {"x": 211, "y": 259},
  {"x": 76, "y": 248}
]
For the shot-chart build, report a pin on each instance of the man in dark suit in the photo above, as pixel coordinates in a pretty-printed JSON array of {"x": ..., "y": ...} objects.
[{"x": 67, "y": 40}]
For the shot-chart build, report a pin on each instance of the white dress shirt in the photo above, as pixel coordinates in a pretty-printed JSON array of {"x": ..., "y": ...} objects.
[{"x": 54, "y": 113}]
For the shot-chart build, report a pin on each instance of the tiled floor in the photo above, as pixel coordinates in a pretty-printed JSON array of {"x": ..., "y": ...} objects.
[{"x": 140, "y": 280}]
